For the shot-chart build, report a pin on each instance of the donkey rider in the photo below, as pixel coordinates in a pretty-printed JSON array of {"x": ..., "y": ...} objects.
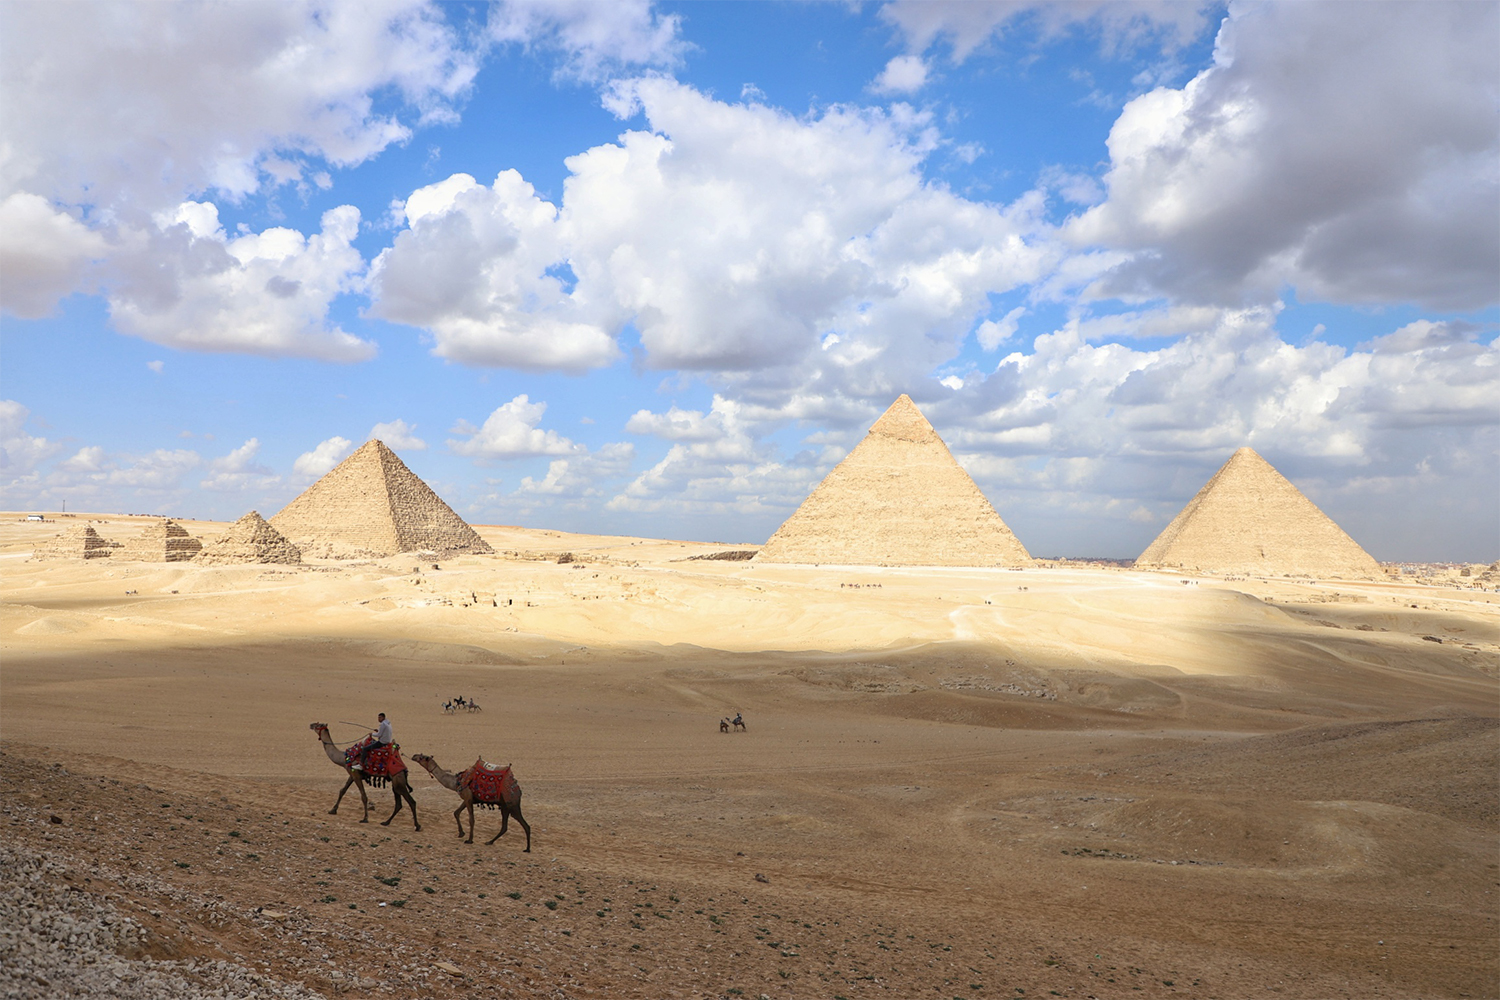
[{"x": 382, "y": 739}]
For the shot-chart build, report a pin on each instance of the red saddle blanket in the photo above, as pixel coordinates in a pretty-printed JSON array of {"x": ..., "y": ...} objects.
[
  {"x": 381, "y": 763},
  {"x": 490, "y": 783}
]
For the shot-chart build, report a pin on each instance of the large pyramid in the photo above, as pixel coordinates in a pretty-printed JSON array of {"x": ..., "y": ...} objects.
[
  {"x": 1249, "y": 519},
  {"x": 372, "y": 504},
  {"x": 897, "y": 499},
  {"x": 250, "y": 540},
  {"x": 162, "y": 541}
]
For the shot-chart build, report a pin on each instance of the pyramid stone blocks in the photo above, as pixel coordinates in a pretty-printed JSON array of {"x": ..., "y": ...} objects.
[
  {"x": 898, "y": 499},
  {"x": 371, "y": 504},
  {"x": 162, "y": 541},
  {"x": 249, "y": 540},
  {"x": 78, "y": 542},
  {"x": 1249, "y": 519}
]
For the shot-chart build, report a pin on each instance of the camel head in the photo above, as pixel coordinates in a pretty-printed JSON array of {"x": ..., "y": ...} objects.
[
  {"x": 319, "y": 727},
  {"x": 425, "y": 760}
]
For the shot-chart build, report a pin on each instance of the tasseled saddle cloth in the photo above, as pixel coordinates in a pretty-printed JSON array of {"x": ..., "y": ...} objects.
[
  {"x": 383, "y": 763},
  {"x": 490, "y": 784}
]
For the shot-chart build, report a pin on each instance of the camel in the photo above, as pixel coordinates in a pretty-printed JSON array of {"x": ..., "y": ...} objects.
[
  {"x": 739, "y": 722},
  {"x": 507, "y": 805},
  {"x": 723, "y": 725},
  {"x": 399, "y": 783}
]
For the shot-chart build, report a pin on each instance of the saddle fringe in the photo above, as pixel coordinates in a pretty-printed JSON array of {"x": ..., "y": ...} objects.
[{"x": 377, "y": 781}]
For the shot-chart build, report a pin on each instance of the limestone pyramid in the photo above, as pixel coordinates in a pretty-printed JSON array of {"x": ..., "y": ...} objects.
[
  {"x": 249, "y": 540},
  {"x": 372, "y": 504},
  {"x": 898, "y": 499},
  {"x": 78, "y": 542},
  {"x": 1249, "y": 519},
  {"x": 162, "y": 541}
]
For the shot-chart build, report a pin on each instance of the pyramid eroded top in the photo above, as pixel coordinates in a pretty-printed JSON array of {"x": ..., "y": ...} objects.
[
  {"x": 1249, "y": 519},
  {"x": 250, "y": 540},
  {"x": 898, "y": 499},
  {"x": 371, "y": 504}
]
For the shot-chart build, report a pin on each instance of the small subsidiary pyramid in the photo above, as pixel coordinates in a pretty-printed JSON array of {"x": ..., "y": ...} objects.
[
  {"x": 162, "y": 541},
  {"x": 249, "y": 540},
  {"x": 1249, "y": 519},
  {"x": 898, "y": 499},
  {"x": 371, "y": 504},
  {"x": 78, "y": 542}
]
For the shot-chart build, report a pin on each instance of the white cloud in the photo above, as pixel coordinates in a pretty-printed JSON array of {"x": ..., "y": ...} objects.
[
  {"x": 188, "y": 285},
  {"x": 156, "y": 366},
  {"x": 1121, "y": 24},
  {"x": 733, "y": 237},
  {"x": 992, "y": 334},
  {"x": 321, "y": 460},
  {"x": 20, "y": 452},
  {"x": 902, "y": 75},
  {"x": 511, "y": 432},
  {"x": 119, "y": 113},
  {"x": 239, "y": 471},
  {"x": 580, "y": 477},
  {"x": 472, "y": 269},
  {"x": 121, "y": 110},
  {"x": 594, "y": 39},
  {"x": 43, "y": 254},
  {"x": 1356, "y": 164},
  {"x": 398, "y": 434}
]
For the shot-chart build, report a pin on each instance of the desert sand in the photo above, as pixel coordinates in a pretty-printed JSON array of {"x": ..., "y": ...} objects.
[{"x": 955, "y": 782}]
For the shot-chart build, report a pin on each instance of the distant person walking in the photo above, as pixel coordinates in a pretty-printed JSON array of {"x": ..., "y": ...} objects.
[{"x": 382, "y": 739}]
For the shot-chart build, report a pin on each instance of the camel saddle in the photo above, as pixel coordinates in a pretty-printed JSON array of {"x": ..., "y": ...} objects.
[
  {"x": 385, "y": 762},
  {"x": 489, "y": 783}
]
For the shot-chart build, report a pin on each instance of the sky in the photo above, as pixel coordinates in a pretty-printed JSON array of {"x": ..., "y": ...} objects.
[{"x": 654, "y": 268}]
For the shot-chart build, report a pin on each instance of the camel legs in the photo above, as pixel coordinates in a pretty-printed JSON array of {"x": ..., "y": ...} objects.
[
  {"x": 403, "y": 791},
  {"x": 362, "y": 797},
  {"x": 505, "y": 812},
  {"x": 458, "y": 818}
]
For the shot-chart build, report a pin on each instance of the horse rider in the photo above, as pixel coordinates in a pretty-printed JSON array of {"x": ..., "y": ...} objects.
[{"x": 382, "y": 740}]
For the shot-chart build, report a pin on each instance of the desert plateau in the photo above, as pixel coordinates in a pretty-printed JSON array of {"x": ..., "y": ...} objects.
[{"x": 1060, "y": 780}]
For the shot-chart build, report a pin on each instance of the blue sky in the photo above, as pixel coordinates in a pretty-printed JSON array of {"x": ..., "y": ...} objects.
[{"x": 654, "y": 268}]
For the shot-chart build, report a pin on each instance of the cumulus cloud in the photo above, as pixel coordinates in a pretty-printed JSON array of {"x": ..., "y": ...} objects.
[
  {"x": 511, "y": 431},
  {"x": 398, "y": 434},
  {"x": 902, "y": 75},
  {"x": 580, "y": 477},
  {"x": 992, "y": 333},
  {"x": 43, "y": 254},
  {"x": 20, "y": 451},
  {"x": 473, "y": 268},
  {"x": 239, "y": 471},
  {"x": 1351, "y": 157},
  {"x": 593, "y": 39},
  {"x": 121, "y": 110},
  {"x": 188, "y": 285},
  {"x": 321, "y": 460},
  {"x": 732, "y": 236},
  {"x": 966, "y": 25}
]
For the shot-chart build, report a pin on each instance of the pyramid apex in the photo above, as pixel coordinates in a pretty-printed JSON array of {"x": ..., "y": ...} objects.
[{"x": 904, "y": 421}]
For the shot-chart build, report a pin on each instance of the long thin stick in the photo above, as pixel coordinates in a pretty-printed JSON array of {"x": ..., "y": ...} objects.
[{"x": 366, "y": 728}]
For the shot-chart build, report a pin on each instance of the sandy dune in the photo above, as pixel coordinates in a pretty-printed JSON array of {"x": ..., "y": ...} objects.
[{"x": 956, "y": 782}]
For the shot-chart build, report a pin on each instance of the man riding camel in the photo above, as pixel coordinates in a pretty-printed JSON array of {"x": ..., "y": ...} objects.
[{"x": 382, "y": 739}]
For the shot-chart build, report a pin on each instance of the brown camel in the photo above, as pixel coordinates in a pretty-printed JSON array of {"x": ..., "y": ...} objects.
[
  {"x": 509, "y": 803},
  {"x": 399, "y": 783}
]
